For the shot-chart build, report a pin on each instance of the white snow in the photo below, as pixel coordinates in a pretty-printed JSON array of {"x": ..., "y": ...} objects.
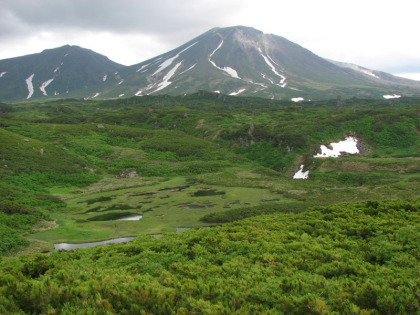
[
  {"x": 260, "y": 84},
  {"x": 30, "y": 85},
  {"x": 96, "y": 95},
  {"x": 267, "y": 78},
  {"x": 131, "y": 218},
  {"x": 2, "y": 74},
  {"x": 44, "y": 85},
  {"x": 217, "y": 91},
  {"x": 283, "y": 78},
  {"x": 121, "y": 82},
  {"x": 121, "y": 95},
  {"x": 104, "y": 78},
  {"x": 188, "y": 69},
  {"x": 169, "y": 61},
  {"x": 297, "y": 99},
  {"x": 237, "y": 92},
  {"x": 165, "y": 82},
  {"x": 391, "y": 96},
  {"x": 142, "y": 67},
  {"x": 300, "y": 174},
  {"x": 56, "y": 69},
  {"x": 349, "y": 145},
  {"x": 138, "y": 93},
  {"x": 232, "y": 72},
  {"x": 369, "y": 72}
]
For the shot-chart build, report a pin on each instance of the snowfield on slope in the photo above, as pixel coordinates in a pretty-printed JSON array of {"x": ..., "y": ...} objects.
[
  {"x": 349, "y": 145},
  {"x": 169, "y": 61},
  {"x": 165, "y": 82},
  {"x": 230, "y": 71},
  {"x": 300, "y": 174},
  {"x": 30, "y": 86},
  {"x": 44, "y": 85}
]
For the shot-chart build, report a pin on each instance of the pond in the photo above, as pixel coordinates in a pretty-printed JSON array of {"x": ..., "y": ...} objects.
[{"x": 69, "y": 246}]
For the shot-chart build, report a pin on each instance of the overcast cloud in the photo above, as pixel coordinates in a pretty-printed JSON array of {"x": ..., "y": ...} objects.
[{"x": 376, "y": 34}]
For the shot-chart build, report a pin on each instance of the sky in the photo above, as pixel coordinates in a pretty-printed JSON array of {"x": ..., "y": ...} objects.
[{"x": 377, "y": 34}]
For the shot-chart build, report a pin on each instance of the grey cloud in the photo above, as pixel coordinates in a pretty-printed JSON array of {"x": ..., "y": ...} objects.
[{"x": 168, "y": 18}]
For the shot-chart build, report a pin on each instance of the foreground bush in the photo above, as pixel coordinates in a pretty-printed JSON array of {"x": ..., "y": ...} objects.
[{"x": 351, "y": 258}]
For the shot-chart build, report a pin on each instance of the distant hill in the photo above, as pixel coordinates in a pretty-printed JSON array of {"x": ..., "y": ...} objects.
[
  {"x": 233, "y": 60},
  {"x": 53, "y": 72}
]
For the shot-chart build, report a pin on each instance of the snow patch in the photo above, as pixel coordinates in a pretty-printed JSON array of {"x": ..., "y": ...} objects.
[
  {"x": 121, "y": 82},
  {"x": 300, "y": 174},
  {"x": 121, "y": 95},
  {"x": 30, "y": 85},
  {"x": 188, "y": 69},
  {"x": 104, "y": 78},
  {"x": 297, "y": 99},
  {"x": 169, "y": 61},
  {"x": 217, "y": 91},
  {"x": 368, "y": 72},
  {"x": 232, "y": 72},
  {"x": 349, "y": 145},
  {"x": 283, "y": 78},
  {"x": 391, "y": 96},
  {"x": 44, "y": 85},
  {"x": 142, "y": 67},
  {"x": 2, "y": 74},
  {"x": 96, "y": 95},
  {"x": 237, "y": 92},
  {"x": 165, "y": 82}
]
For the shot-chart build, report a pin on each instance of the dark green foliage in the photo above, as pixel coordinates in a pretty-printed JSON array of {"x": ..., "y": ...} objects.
[
  {"x": 246, "y": 212},
  {"x": 10, "y": 239},
  {"x": 352, "y": 258}
]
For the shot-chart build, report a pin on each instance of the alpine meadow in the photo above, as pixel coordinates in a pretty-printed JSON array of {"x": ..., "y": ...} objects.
[{"x": 236, "y": 174}]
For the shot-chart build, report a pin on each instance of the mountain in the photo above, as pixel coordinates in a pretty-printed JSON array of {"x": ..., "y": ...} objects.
[
  {"x": 245, "y": 61},
  {"x": 53, "y": 72},
  {"x": 233, "y": 60}
]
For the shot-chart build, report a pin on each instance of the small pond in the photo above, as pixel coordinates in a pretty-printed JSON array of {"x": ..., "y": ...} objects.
[{"x": 69, "y": 246}]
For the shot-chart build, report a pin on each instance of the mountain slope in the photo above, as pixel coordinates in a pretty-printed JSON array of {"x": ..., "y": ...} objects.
[
  {"x": 233, "y": 60},
  {"x": 242, "y": 60},
  {"x": 53, "y": 72}
]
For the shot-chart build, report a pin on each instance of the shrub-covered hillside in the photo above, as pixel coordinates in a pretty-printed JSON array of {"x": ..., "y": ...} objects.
[{"x": 351, "y": 258}]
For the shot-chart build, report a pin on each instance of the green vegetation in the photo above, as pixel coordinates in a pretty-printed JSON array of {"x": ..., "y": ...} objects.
[
  {"x": 70, "y": 169},
  {"x": 352, "y": 258}
]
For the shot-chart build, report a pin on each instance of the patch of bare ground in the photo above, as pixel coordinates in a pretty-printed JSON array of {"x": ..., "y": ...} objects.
[
  {"x": 111, "y": 183},
  {"x": 45, "y": 226},
  {"x": 200, "y": 123}
]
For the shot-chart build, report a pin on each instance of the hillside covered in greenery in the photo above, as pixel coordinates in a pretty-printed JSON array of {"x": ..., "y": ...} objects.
[
  {"x": 353, "y": 258},
  {"x": 345, "y": 240}
]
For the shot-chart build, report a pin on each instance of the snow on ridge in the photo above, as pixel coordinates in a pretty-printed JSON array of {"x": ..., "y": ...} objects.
[
  {"x": 283, "y": 78},
  {"x": 237, "y": 92},
  {"x": 297, "y": 99},
  {"x": 121, "y": 82},
  {"x": 121, "y": 95},
  {"x": 349, "y": 145},
  {"x": 300, "y": 174},
  {"x": 169, "y": 61},
  {"x": 104, "y": 78},
  {"x": 165, "y": 82},
  {"x": 44, "y": 86},
  {"x": 2, "y": 74},
  {"x": 232, "y": 72},
  {"x": 30, "y": 86},
  {"x": 391, "y": 96},
  {"x": 188, "y": 69}
]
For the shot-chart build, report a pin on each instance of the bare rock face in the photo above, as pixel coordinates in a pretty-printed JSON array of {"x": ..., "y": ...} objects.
[{"x": 127, "y": 173}]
